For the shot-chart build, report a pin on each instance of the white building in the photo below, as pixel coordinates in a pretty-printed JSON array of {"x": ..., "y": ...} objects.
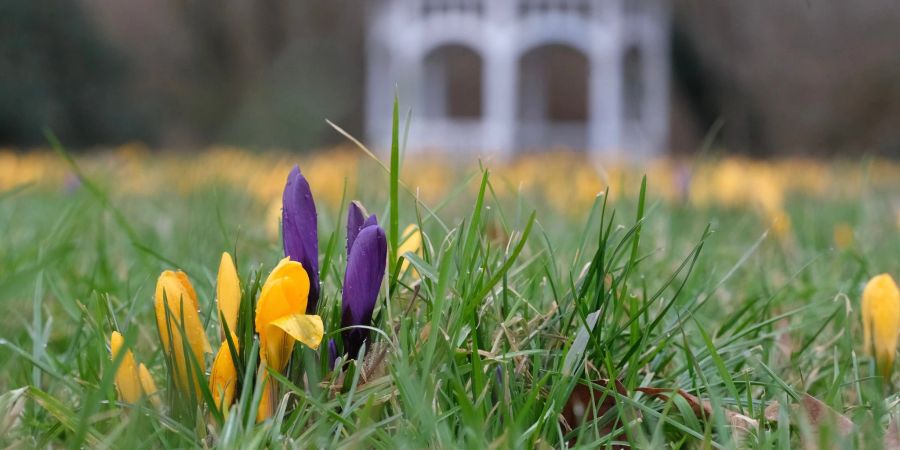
[{"x": 503, "y": 76}]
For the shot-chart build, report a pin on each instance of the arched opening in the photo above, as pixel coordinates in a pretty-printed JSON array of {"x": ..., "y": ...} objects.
[
  {"x": 453, "y": 83},
  {"x": 634, "y": 91},
  {"x": 553, "y": 98}
]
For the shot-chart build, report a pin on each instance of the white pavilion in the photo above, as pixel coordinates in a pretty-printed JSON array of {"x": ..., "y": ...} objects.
[{"x": 507, "y": 76}]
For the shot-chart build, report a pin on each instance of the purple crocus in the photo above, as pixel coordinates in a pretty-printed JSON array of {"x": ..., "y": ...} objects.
[
  {"x": 357, "y": 219},
  {"x": 366, "y": 260},
  {"x": 299, "y": 232}
]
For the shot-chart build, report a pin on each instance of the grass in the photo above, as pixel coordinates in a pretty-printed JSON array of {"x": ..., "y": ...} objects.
[{"x": 519, "y": 311}]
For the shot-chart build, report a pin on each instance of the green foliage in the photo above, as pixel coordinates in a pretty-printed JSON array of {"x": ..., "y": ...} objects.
[{"x": 485, "y": 349}]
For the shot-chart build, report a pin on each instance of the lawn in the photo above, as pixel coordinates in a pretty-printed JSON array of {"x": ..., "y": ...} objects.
[{"x": 553, "y": 301}]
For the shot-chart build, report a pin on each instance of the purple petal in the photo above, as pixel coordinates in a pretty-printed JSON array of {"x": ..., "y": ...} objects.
[
  {"x": 356, "y": 215},
  {"x": 356, "y": 221},
  {"x": 332, "y": 353},
  {"x": 362, "y": 281},
  {"x": 301, "y": 238},
  {"x": 371, "y": 220}
]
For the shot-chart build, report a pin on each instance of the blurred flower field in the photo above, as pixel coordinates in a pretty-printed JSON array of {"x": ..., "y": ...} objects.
[{"x": 546, "y": 301}]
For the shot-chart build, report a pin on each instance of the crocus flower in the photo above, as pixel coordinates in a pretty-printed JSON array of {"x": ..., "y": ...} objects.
[
  {"x": 223, "y": 377},
  {"x": 281, "y": 319},
  {"x": 299, "y": 232},
  {"x": 132, "y": 381},
  {"x": 411, "y": 244},
  {"x": 366, "y": 259},
  {"x": 357, "y": 219},
  {"x": 881, "y": 321},
  {"x": 176, "y": 299}
]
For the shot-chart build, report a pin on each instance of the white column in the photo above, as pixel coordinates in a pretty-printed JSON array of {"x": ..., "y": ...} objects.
[
  {"x": 499, "y": 78},
  {"x": 605, "y": 115},
  {"x": 657, "y": 70}
]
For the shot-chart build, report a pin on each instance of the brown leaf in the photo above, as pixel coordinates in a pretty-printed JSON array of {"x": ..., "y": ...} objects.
[
  {"x": 586, "y": 404},
  {"x": 13, "y": 403},
  {"x": 704, "y": 409},
  {"x": 370, "y": 368},
  {"x": 892, "y": 436},
  {"x": 772, "y": 411},
  {"x": 820, "y": 414}
]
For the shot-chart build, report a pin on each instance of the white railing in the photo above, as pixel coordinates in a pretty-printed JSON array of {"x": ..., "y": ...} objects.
[
  {"x": 454, "y": 135},
  {"x": 437, "y": 7},
  {"x": 539, "y": 135},
  {"x": 537, "y": 7}
]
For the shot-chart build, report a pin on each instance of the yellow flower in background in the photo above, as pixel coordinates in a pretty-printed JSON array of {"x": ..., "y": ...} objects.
[
  {"x": 412, "y": 243},
  {"x": 881, "y": 321},
  {"x": 281, "y": 320},
  {"x": 176, "y": 300},
  {"x": 843, "y": 236},
  {"x": 223, "y": 377},
  {"x": 132, "y": 381},
  {"x": 780, "y": 223}
]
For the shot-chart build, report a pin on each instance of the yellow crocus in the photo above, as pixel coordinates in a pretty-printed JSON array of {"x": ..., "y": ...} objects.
[
  {"x": 147, "y": 384},
  {"x": 411, "y": 244},
  {"x": 266, "y": 400},
  {"x": 281, "y": 320},
  {"x": 228, "y": 292},
  {"x": 843, "y": 236},
  {"x": 223, "y": 377},
  {"x": 132, "y": 381},
  {"x": 175, "y": 298},
  {"x": 881, "y": 321}
]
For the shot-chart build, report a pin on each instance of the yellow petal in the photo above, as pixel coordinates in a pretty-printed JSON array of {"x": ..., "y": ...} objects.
[
  {"x": 412, "y": 244},
  {"x": 266, "y": 401},
  {"x": 228, "y": 292},
  {"x": 223, "y": 378},
  {"x": 307, "y": 329},
  {"x": 283, "y": 294},
  {"x": 881, "y": 320},
  {"x": 127, "y": 379},
  {"x": 188, "y": 288},
  {"x": 174, "y": 290},
  {"x": 148, "y": 385}
]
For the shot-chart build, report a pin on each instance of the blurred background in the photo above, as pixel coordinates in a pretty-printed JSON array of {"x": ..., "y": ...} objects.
[{"x": 767, "y": 77}]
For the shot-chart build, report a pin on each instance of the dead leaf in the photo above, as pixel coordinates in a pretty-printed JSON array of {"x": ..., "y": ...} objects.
[
  {"x": 892, "y": 436},
  {"x": 819, "y": 414},
  {"x": 583, "y": 407},
  {"x": 704, "y": 409},
  {"x": 12, "y": 404},
  {"x": 371, "y": 367},
  {"x": 772, "y": 411}
]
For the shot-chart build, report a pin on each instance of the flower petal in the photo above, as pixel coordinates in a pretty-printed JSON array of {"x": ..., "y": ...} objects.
[
  {"x": 283, "y": 294},
  {"x": 173, "y": 290},
  {"x": 148, "y": 385},
  {"x": 412, "y": 243},
  {"x": 307, "y": 329},
  {"x": 881, "y": 320},
  {"x": 127, "y": 378},
  {"x": 362, "y": 281},
  {"x": 299, "y": 232},
  {"x": 223, "y": 378},
  {"x": 228, "y": 292},
  {"x": 266, "y": 400},
  {"x": 356, "y": 215}
]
